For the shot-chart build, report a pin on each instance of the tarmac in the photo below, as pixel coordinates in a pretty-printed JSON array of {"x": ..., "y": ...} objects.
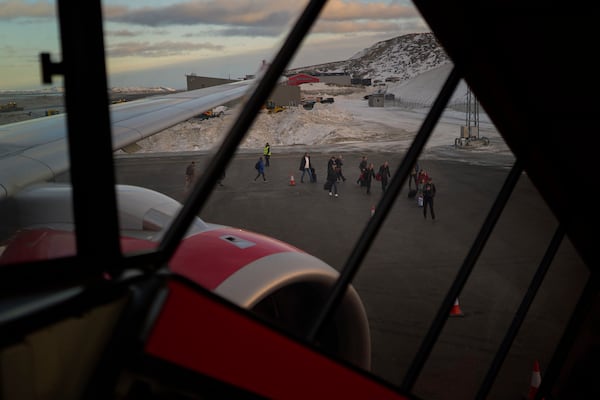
[{"x": 413, "y": 260}]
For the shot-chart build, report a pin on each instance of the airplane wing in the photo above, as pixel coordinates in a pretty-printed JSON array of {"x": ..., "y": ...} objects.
[{"x": 36, "y": 150}]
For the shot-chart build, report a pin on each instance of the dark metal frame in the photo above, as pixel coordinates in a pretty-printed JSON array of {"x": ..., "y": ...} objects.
[{"x": 86, "y": 88}]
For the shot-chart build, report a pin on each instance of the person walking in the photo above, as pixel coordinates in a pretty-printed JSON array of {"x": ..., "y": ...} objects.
[
  {"x": 190, "y": 172},
  {"x": 369, "y": 174},
  {"x": 339, "y": 163},
  {"x": 384, "y": 175},
  {"x": 362, "y": 166},
  {"x": 267, "y": 154},
  {"x": 422, "y": 178},
  {"x": 260, "y": 168},
  {"x": 331, "y": 163},
  {"x": 428, "y": 195},
  {"x": 332, "y": 177},
  {"x": 413, "y": 176},
  {"x": 305, "y": 167}
]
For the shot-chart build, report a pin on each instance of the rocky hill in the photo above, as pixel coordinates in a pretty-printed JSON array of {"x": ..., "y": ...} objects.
[{"x": 394, "y": 60}]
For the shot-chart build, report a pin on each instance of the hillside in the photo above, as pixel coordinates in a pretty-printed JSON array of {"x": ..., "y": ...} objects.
[
  {"x": 413, "y": 67},
  {"x": 396, "y": 60}
]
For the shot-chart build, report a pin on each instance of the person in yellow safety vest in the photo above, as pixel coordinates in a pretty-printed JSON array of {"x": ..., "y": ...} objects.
[{"x": 267, "y": 154}]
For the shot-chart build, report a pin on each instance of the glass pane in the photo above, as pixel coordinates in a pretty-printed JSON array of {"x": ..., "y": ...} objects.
[
  {"x": 360, "y": 87},
  {"x": 36, "y": 220}
]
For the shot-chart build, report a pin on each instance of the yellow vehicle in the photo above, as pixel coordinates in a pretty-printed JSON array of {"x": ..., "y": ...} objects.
[
  {"x": 10, "y": 106},
  {"x": 274, "y": 108},
  {"x": 215, "y": 112}
]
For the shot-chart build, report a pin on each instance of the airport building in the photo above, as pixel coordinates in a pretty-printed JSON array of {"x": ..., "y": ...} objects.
[
  {"x": 299, "y": 79},
  {"x": 283, "y": 95},
  {"x": 194, "y": 81},
  {"x": 334, "y": 78}
]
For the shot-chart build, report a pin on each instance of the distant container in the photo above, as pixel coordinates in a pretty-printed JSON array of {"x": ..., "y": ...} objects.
[
  {"x": 361, "y": 81},
  {"x": 469, "y": 131},
  {"x": 377, "y": 100},
  {"x": 464, "y": 132}
]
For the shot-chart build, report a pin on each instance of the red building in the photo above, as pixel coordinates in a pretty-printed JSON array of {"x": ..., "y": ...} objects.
[{"x": 299, "y": 79}]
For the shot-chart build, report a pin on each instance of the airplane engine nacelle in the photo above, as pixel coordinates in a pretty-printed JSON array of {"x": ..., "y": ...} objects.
[{"x": 279, "y": 282}]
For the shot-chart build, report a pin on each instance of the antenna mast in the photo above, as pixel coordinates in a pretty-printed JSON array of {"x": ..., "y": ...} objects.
[
  {"x": 472, "y": 117},
  {"x": 469, "y": 132}
]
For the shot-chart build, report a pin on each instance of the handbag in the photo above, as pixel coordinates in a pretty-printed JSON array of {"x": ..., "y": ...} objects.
[{"x": 327, "y": 185}]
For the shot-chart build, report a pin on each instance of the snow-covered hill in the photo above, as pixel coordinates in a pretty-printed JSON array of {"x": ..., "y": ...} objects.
[
  {"x": 412, "y": 67},
  {"x": 398, "y": 59}
]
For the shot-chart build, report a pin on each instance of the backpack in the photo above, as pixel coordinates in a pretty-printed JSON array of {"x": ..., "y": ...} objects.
[{"x": 257, "y": 165}]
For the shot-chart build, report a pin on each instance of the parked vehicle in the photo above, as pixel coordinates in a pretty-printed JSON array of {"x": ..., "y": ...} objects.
[
  {"x": 10, "y": 106},
  {"x": 215, "y": 112}
]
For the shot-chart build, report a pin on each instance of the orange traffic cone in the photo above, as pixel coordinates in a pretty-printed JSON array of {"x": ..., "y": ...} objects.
[
  {"x": 455, "y": 311},
  {"x": 536, "y": 379},
  {"x": 372, "y": 210},
  {"x": 292, "y": 181}
]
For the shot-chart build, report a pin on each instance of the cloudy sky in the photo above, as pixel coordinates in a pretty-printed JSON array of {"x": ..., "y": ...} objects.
[{"x": 157, "y": 42}]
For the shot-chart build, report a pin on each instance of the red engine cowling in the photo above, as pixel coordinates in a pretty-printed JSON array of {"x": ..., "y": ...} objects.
[{"x": 281, "y": 283}]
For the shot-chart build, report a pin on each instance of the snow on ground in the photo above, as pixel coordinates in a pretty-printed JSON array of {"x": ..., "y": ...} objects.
[{"x": 347, "y": 125}]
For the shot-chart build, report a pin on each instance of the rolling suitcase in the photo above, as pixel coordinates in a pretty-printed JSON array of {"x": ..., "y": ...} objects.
[
  {"x": 314, "y": 175},
  {"x": 420, "y": 200}
]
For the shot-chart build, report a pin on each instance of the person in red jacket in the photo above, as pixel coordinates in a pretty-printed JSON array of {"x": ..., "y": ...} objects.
[{"x": 422, "y": 178}]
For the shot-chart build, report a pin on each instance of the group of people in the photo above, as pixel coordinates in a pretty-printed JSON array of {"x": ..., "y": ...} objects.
[
  {"x": 367, "y": 174},
  {"x": 334, "y": 169},
  {"x": 425, "y": 189},
  {"x": 423, "y": 182},
  {"x": 261, "y": 164},
  {"x": 365, "y": 179}
]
